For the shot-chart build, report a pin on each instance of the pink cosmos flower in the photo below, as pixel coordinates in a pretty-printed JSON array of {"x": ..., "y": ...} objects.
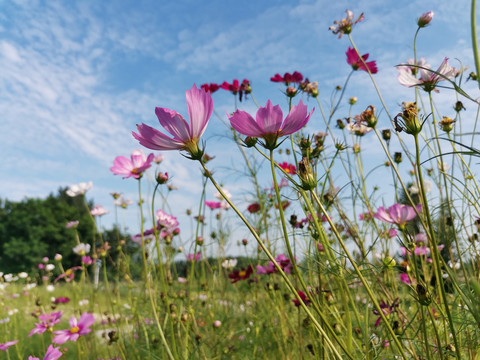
[
  {"x": 196, "y": 257},
  {"x": 77, "y": 328},
  {"x": 98, "y": 210},
  {"x": 405, "y": 278},
  {"x": 87, "y": 260},
  {"x": 236, "y": 88},
  {"x": 354, "y": 60},
  {"x": 185, "y": 135},
  {"x": 428, "y": 79},
  {"x": 397, "y": 214},
  {"x": 72, "y": 224},
  {"x": 269, "y": 123},
  {"x": 47, "y": 321},
  {"x": 52, "y": 353},
  {"x": 213, "y": 204},
  {"x": 6, "y": 345},
  {"x": 133, "y": 167}
]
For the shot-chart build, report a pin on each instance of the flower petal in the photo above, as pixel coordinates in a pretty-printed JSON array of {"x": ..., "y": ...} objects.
[
  {"x": 174, "y": 123},
  {"x": 245, "y": 124},
  {"x": 296, "y": 119},
  {"x": 200, "y": 107},
  {"x": 269, "y": 118},
  {"x": 155, "y": 140}
]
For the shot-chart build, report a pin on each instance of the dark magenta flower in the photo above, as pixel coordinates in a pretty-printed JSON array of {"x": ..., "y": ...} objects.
[
  {"x": 288, "y": 78},
  {"x": 288, "y": 168},
  {"x": 242, "y": 274},
  {"x": 211, "y": 88},
  {"x": 304, "y": 298},
  {"x": 269, "y": 123},
  {"x": 253, "y": 208},
  {"x": 354, "y": 60}
]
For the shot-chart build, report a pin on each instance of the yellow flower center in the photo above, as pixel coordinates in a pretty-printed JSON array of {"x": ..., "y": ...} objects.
[
  {"x": 242, "y": 273},
  {"x": 74, "y": 330}
]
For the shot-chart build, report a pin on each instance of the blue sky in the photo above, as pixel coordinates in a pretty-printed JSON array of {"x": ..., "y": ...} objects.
[{"x": 76, "y": 76}]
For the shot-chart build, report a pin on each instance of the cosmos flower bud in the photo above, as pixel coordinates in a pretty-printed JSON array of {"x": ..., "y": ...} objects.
[
  {"x": 446, "y": 124},
  {"x": 397, "y": 157},
  {"x": 386, "y": 134},
  {"x": 305, "y": 174},
  {"x": 250, "y": 141},
  {"x": 162, "y": 178},
  {"x": 425, "y": 19}
]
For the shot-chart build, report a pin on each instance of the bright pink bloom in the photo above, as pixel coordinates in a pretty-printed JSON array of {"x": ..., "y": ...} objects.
[
  {"x": 47, "y": 321},
  {"x": 133, "y": 167},
  {"x": 213, "y": 204},
  {"x": 68, "y": 275},
  {"x": 354, "y": 60},
  {"x": 52, "y": 353},
  {"x": 185, "y": 135},
  {"x": 6, "y": 345},
  {"x": 397, "y": 214},
  {"x": 77, "y": 328},
  {"x": 284, "y": 262},
  {"x": 428, "y": 79},
  {"x": 61, "y": 300},
  {"x": 269, "y": 123},
  {"x": 404, "y": 278},
  {"x": 288, "y": 168}
]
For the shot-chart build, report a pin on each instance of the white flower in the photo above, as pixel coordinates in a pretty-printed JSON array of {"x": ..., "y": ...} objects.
[
  {"x": 83, "y": 302},
  {"x": 9, "y": 277},
  {"x": 358, "y": 128},
  {"x": 122, "y": 202},
  {"x": 98, "y": 210},
  {"x": 50, "y": 288},
  {"x": 127, "y": 306},
  {"x": 58, "y": 257},
  {"x": 12, "y": 312},
  {"x": 22, "y": 275},
  {"x": 229, "y": 263},
  {"x": 443, "y": 167},
  {"x": 414, "y": 189},
  {"x": 30, "y": 286},
  {"x": 79, "y": 189},
  {"x": 5, "y": 320},
  {"x": 220, "y": 197},
  {"x": 49, "y": 267},
  {"x": 81, "y": 249},
  {"x": 428, "y": 79}
]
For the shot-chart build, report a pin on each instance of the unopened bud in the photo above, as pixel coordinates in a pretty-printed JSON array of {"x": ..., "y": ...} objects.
[
  {"x": 162, "y": 178},
  {"x": 425, "y": 19},
  {"x": 386, "y": 134},
  {"x": 250, "y": 141},
  {"x": 305, "y": 174}
]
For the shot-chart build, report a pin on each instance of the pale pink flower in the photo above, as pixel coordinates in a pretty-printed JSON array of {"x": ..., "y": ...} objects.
[
  {"x": 98, "y": 210},
  {"x": 397, "y": 214},
  {"x": 185, "y": 135},
  {"x": 269, "y": 123},
  {"x": 213, "y": 204},
  {"x": 192, "y": 257},
  {"x": 133, "y": 167},
  {"x": 6, "y": 345},
  {"x": 428, "y": 78},
  {"x": 77, "y": 328},
  {"x": 72, "y": 224}
]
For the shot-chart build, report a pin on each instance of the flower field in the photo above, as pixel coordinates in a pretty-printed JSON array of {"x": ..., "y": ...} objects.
[{"x": 334, "y": 258}]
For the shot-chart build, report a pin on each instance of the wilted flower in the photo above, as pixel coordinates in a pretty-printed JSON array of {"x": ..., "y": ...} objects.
[
  {"x": 357, "y": 64},
  {"x": 428, "y": 78},
  {"x": 269, "y": 123},
  {"x": 186, "y": 135},
  {"x": 408, "y": 120},
  {"x": 344, "y": 26},
  {"x": 358, "y": 128},
  {"x": 77, "y": 328},
  {"x": 79, "y": 189},
  {"x": 446, "y": 124},
  {"x": 133, "y": 167}
]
